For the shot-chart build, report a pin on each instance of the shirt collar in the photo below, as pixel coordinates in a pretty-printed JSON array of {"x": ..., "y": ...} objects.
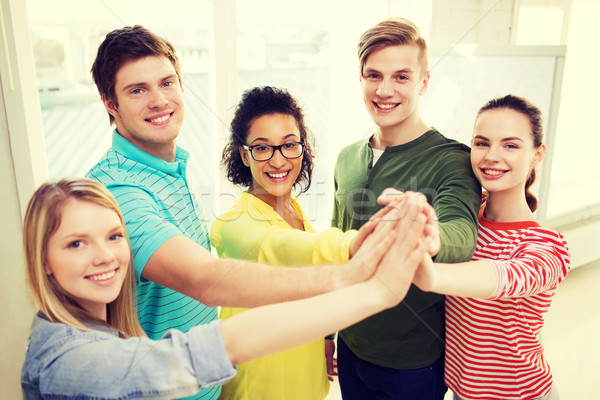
[
  {"x": 125, "y": 147},
  {"x": 483, "y": 221}
]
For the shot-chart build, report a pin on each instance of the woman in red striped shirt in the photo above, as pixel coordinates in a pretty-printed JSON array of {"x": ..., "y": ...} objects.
[{"x": 496, "y": 302}]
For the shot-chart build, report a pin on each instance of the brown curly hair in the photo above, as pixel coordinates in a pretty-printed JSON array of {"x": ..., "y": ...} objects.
[{"x": 255, "y": 103}]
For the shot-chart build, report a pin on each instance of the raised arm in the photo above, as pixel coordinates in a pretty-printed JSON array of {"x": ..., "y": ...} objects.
[
  {"x": 162, "y": 254},
  {"x": 533, "y": 268},
  {"x": 245, "y": 233},
  {"x": 186, "y": 267},
  {"x": 241, "y": 234},
  {"x": 180, "y": 363},
  {"x": 456, "y": 203},
  {"x": 468, "y": 279},
  {"x": 264, "y": 330}
]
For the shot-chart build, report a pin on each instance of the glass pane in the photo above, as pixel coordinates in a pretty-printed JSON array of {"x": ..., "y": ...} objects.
[
  {"x": 309, "y": 48},
  {"x": 66, "y": 36}
]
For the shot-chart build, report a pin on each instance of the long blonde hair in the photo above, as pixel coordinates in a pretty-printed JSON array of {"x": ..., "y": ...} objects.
[{"x": 42, "y": 219}]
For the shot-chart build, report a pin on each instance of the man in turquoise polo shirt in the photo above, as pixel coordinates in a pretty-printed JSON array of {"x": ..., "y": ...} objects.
[{"x": 179, "y": 282}]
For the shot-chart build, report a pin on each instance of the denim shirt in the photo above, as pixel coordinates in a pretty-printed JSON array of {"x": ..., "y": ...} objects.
[{"x": 63, "y": 362}]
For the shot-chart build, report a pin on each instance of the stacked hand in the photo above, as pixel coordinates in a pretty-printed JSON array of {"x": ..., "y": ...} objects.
[
  {"x": 425, "y": 273},
  {"x": 391, "y": 245},
  {"x": 394, "y": 198},
  {"x": 397, "y": 267},
  {"x": 393, "y": 242}
]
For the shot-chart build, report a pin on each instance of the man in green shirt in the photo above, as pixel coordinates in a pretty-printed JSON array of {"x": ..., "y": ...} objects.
[{"x": 399, "y": 353}]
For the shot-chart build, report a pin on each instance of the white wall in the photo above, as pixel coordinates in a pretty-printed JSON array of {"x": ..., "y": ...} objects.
[
  {"x": 22, "y": 168},
  {"x": 16, "y": 309}
]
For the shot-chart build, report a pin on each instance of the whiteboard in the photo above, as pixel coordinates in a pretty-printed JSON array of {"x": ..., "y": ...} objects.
[{"x": 464, "y": 78}]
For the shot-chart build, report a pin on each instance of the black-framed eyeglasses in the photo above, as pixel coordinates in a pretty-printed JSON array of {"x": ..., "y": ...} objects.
[{"x": 264, "y": 152}]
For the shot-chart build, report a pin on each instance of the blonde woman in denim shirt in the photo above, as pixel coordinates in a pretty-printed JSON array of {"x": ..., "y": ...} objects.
[{"x": 87, "y": 343}]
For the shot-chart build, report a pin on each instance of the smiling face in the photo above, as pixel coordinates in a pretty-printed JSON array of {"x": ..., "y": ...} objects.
[
  {"x": 149, "y": 113},
  {"x": 88, "y": 255},
  {"x": 272, "y": 180},
  {"x": 392, "y": 81},
  {"x": 502, "y": 153}
]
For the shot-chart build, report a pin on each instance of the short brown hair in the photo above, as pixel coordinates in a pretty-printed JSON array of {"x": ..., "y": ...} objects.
[
  {"x": 122, "y": 46},
  {"x": 391, "y": 32}
]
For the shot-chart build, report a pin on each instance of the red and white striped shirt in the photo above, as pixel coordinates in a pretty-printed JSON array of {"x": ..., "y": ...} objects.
[{"x": 492, "y": 346}]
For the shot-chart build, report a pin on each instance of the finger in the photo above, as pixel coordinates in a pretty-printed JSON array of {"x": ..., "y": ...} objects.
[
  {"x": 409, "y": 206},
  {"x": 388, "y": 195},
  {"x": 369, "y": 226},
  {"x": 429, "y": 211},
  {"x": 376, "y": 245},
  {"x": 410, "y": 229},
  {"x": 420, "y": 200},
  {"x": 418, "y": 254},
  {"x": 389, "y": 220},
  {"x": 385, "y": 210}
]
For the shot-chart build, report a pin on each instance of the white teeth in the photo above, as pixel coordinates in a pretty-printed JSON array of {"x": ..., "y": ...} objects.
[
  {"x": 280, "y": 175},
  {"x": 104, "y": 276},
  {"x": 492, "y": 172},
  {"x": 386, "y": 106},
  {"x": 161, "y": 119}
]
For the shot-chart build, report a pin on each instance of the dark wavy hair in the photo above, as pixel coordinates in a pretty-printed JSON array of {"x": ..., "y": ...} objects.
[
  {"x": 255, "y": 103},
  {"x": 534, "y": 115}
]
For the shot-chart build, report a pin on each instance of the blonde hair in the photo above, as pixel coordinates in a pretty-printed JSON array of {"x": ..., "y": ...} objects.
[
  {"x": 42, "y": 219},
  {"x": 392, "y": 32}
]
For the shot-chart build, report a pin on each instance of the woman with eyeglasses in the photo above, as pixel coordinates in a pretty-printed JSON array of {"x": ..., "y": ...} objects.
[{"x": 270, "y": 152}]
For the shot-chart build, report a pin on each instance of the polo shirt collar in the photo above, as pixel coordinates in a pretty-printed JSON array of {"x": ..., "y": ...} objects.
[{"x": 125, "y": 147}]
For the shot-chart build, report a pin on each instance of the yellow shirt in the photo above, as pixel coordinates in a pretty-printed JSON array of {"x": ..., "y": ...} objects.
[{"x": 252, "y": 230}]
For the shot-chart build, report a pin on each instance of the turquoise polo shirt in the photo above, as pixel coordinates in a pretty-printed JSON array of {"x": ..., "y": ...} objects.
[{"x": 156, "y": 204}]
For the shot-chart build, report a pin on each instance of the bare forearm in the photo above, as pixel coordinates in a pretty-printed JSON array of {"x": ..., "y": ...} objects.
[
  {"x": 468, "y": 279},
  {"x": 184, "y": 266},
  {"x": 273, "y": 328},
  {"x": 237, "y": 283},
  {"x": 263, "y": 330},
  {"x": 260, "y": 331}
]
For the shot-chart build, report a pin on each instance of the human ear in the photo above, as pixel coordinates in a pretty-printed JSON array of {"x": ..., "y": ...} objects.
[
  {"x": 244, "y": 156},
  {"x": 47, "y": 270},
  {"x": 539, "y": 155},
  {"x": 425, "y": 83},
  {"x": 110, "y": 106}
]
